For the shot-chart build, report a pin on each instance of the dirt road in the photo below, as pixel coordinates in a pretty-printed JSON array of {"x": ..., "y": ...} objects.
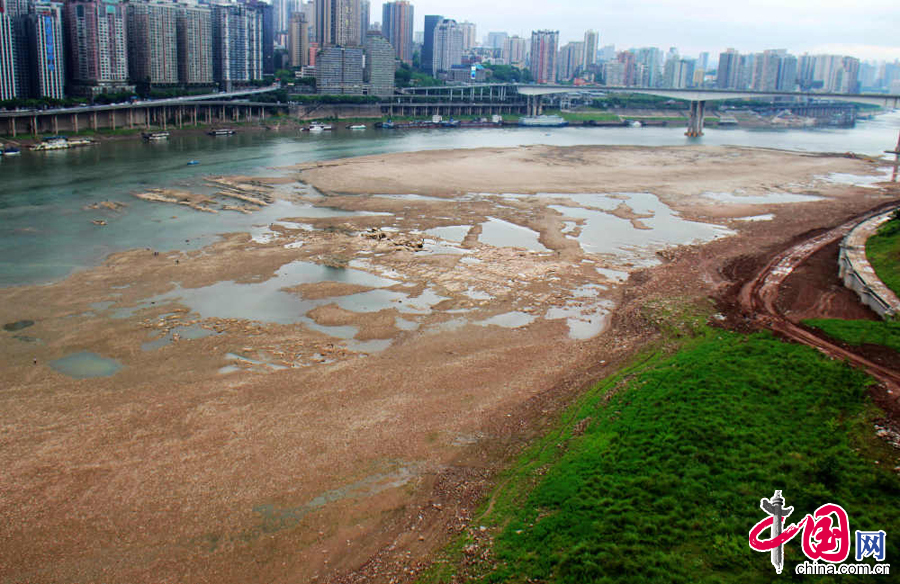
[{"x": 758, "y": 299}]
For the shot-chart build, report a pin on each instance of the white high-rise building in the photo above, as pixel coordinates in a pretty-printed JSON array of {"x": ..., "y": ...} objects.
[{"x": 448, "y": 46}]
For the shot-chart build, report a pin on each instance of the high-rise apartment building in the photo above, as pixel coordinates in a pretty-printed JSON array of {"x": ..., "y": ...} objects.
[
  {"x": 337, "y": 23},
  {"x": 365, "y": 17},
  {"x": 46, "y": 50},
  {"x": 339, "y": 70},
  {"x": 469, "y": 30},
  {"x": 281, "y": 14},
  {"x": 496, "y": 40},
  {"x": 678, "y": 73},
  {"x": 237, "y": 44},
  {"x": 515, "y": 51},
  {"x": 571, "y": 58},
  {"x": 309, "y": 9},
  {"x": 729, "y": 69},
  {"x": 8, "y": 80},
  {"x": 379, "y": 71},
  {"x": 591, "y": 41},
  {"x": 448, "y": 46},
  {"x": 194, "y": 35},
  {"x": 648, "y": 67},
  {"x": 397, "y": 19},
  {"x": 544, "y": 49},
  {"x": 427, "y": 57},
  {"x": 298, "y": 40},
  {"x": 152, "y": 42},
  {"x": 97, "y": 51}
]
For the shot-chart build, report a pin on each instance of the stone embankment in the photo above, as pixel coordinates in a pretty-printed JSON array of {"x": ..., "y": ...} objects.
[{"x": 859, "y": 275}]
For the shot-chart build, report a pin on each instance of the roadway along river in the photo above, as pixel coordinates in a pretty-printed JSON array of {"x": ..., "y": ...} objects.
[{"x": 47, "y": 232}]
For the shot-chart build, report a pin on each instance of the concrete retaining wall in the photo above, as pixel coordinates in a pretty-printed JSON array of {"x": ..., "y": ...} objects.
[{"x": 858, "y": 274}]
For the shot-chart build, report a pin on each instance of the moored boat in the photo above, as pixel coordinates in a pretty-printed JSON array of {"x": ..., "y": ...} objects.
[
  {"x": 221, "y": 132},
  {"x": 155, "y": 136},
  {"x": 543, "y": 121},
  {"x": 11, "y": 151},
  {"x": 357, "y": 127},
  {"x": 61, "y": 143}
]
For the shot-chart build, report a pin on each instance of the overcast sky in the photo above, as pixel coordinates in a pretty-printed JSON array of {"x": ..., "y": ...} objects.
[{"x": 868, "y": 29}]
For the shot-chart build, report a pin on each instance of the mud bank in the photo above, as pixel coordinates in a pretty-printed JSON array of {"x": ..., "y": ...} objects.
[{"x": 326, "y": 396}]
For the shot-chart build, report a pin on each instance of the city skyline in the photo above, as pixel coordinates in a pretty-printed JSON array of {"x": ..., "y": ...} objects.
[{"x": 867, "y": 31}]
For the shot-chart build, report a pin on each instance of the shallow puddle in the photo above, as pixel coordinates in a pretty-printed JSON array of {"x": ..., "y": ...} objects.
[
  {"x": 767, "y": 199},
  {"x": 454, "y": 233},
  {"x": 509, "y": 320},
  {"x": 85, "y": 365},
  {"x": 604, "y": 233},
  {"x": 18, "y": 325},
  {"x": 500, "y": 233}
]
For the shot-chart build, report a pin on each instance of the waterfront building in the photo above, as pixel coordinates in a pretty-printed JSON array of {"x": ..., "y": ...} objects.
[
  {"x": 468, "y": 31},
  {"x": 97, "y": 51},
  {"x": 337, "y": 23},
  {"x": 193, "y": 26},
  {"x": 298, "y": 41},
  {"x": 515, "y": 51},
  {"x": 237, "y": 45},
  {"x": 591, "y": 40},
  {"x": 18, "y": 11},
  {"x": 339, "y": 70},
  {"x": 268, "y": 34},
  {"x": 8, "y": 79},
  {"x": 397, "y": 19},
  {"x": 152, "y": 42},
  {"x": 46, "y": 50},
  {"x": 448, "y": 43},
  {"x": 544, "y": 49},
  {"x": 427, "y": 56},
  {"x": 380, "y": 65}
]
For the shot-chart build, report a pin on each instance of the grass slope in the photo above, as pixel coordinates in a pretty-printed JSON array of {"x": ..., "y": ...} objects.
[
  {"x": 883, "y": 252},
  {"x": 860, "y": 332},
  {"x": 656, "y": 476}
]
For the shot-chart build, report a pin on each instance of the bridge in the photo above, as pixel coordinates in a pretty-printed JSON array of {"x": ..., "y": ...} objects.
[
  {"x": 698, "y": 98},
  {"x": 188, "y": 109}
]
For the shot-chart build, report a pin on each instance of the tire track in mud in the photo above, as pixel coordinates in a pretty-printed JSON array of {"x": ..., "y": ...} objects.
[{"x": 758, "y": 298}]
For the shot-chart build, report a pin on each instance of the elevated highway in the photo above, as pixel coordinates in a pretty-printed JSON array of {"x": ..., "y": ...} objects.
[{"x": 698, "y": 98}]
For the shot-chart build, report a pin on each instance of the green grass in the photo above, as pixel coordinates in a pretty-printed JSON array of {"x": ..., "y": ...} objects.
[
  {"x": 883, "y": 252},
  {"x": 583, "y": 116},
  {"x": 657, "y": 473},
  {"x": 860, "y": 332}
]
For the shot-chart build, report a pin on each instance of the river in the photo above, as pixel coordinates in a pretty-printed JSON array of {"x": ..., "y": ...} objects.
[{"x": 47, "y": 232}]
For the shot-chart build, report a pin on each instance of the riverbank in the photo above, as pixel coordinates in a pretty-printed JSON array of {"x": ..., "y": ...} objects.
[{"x": 292, "y": 400}]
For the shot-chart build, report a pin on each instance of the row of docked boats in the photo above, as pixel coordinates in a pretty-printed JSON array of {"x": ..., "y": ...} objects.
[{"x": 317, "y": 127}]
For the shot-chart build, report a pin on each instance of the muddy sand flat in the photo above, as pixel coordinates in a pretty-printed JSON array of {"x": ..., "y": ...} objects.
[{"x": 327, "y": 401}]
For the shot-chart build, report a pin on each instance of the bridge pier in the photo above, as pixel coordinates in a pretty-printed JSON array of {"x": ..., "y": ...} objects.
[{"x": 695, "y": 123}]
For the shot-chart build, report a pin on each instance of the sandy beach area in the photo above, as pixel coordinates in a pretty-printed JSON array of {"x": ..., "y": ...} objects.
[{"x": 328, "y": 397}]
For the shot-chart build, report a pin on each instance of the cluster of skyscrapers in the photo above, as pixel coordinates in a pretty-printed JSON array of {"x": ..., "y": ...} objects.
[
  {"x": 86, "y": 47},
  {"x": 54, "y": 49}
]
